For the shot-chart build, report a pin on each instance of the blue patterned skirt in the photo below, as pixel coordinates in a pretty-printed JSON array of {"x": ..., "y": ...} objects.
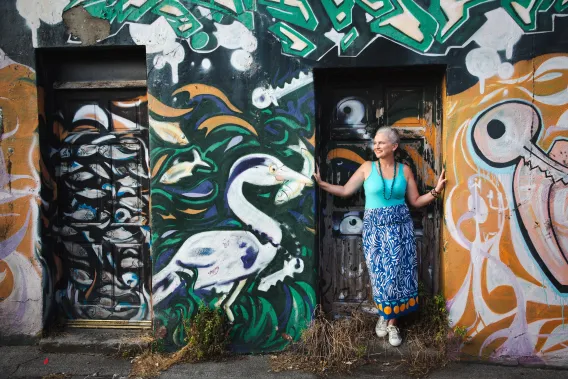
[{"x": 390, "y": 252}]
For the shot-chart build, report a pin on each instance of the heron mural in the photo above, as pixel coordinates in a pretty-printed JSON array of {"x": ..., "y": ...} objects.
[
  {"x": 234, "y": 234},
  {"x": 224, "y": 259}
]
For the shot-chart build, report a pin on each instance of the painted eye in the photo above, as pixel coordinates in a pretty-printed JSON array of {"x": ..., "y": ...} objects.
[
  {"x": 261, "y": 98},
  {"x": 500, "y": 133},
  {"x": 350, "y": 111},
  {"x": 272, "y": 169},
  {"x": 351, "y": 225}
]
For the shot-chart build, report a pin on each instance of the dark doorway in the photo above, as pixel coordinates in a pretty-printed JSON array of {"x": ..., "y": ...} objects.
[
  {"x": 95, "y": 153},
  {"x": 352, "y": 105}
]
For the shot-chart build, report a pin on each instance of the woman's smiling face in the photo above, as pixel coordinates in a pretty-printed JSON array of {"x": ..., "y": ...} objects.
[{"x": 382, "y": 146}]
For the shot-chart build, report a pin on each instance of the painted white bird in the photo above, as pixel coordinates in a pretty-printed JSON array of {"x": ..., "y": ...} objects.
[{"x": 225, "y": 259}]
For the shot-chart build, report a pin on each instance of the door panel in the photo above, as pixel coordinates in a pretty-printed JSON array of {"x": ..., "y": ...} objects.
[
  {"x": 103, "y": 196},
  {"x": 352, "y": 107}
]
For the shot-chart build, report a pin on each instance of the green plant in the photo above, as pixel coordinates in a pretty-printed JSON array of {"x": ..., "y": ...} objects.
[
  {"x": 431, "y": 340},
  {"x": 361, "y": 351},
  {"x": 461, "y": 332},
  {"x": 206, "y": 334},
  {"x": 206, "y": 337},
  {"x": 157, "y": 345}
]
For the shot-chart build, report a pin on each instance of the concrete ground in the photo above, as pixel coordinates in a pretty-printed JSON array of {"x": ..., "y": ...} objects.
[{"x": 30, "y": 362}]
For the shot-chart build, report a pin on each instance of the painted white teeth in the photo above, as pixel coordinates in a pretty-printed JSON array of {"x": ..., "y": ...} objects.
[{"x": 262, "y": 97}]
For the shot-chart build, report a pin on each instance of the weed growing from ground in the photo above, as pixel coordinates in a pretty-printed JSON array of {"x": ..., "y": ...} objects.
[
  {"x": 431, "y": 341},
  {"x": 207, "y": 335},
  {"x": 207, "y": 338}
]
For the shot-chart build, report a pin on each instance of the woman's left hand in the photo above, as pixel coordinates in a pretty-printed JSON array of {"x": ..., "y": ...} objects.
[{"x": 441, "y": 182}]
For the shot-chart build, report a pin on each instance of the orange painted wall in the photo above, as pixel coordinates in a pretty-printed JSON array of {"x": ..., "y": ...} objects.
[
  {"x": 501, "y": 221},
  {"x": 21, "y": 296}
]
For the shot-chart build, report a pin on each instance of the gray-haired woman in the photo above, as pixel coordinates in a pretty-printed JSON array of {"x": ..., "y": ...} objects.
[{"x": 388, "y": 233}]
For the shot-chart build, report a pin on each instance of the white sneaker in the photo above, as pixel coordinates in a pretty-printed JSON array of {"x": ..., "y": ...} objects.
[
  {"x": 394, "y": 335},
  {"x": 381, "y": 328}
]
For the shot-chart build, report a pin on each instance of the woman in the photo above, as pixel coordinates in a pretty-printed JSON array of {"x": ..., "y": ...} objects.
[{"x": 388, "y": 233}]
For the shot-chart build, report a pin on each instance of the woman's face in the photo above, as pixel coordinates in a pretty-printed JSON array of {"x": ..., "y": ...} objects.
[{"x": 382, "y": 147}]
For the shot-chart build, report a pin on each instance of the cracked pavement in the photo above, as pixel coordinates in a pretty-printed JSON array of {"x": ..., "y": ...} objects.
[{"x": 29, "y": 362}]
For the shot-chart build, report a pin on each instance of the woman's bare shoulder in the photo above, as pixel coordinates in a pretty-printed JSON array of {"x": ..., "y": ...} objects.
[
  {"x": 366, "y": 168},
  {"x": 407, "y": 171}
]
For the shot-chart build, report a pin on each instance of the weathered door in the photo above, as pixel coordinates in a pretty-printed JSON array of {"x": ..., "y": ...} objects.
[
  {"x": 351, "y": 108},
  {"x": 103, "y": 195}
]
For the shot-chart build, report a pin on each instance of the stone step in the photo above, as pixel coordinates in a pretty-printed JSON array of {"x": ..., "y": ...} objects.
[{"x": 102, "y": 341}]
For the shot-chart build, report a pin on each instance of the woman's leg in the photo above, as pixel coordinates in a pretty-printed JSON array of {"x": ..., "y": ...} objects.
[{"x": 393, "y": 321}]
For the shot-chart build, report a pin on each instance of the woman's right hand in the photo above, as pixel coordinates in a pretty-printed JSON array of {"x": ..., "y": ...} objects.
[
  {"x": 352, "y": 185},
  {"x": 317, "y": 176}
]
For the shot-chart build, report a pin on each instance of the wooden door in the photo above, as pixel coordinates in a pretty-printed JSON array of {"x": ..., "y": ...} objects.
[
  {"x": 351, "y": 108},
  {"x": 103, "y": 196}
]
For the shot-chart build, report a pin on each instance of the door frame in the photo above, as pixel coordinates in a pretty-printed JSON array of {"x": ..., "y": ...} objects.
[
  {"x": 432, "y": 219},
  {"x": 83, "y": 68}
]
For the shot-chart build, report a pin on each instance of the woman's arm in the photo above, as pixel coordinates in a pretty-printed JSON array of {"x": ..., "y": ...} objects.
[
  {"x": 352, "y": 185},
  {"x": 412, "y": 195}
]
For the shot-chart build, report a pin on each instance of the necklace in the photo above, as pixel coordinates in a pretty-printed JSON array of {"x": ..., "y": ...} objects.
[{"x": 384, "y": 185}]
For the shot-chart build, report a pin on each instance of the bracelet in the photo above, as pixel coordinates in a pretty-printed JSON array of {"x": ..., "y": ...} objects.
[{"x": 434, "y": 193}]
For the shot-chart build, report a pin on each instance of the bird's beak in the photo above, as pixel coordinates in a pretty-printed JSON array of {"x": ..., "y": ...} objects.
[{"x": 284, "y": 173}]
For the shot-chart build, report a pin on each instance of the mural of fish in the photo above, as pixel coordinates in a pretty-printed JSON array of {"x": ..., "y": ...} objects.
[
  {"x": 292, "y": 189},
  {"x": 169, "y": 132},
  {"x": 181, "y": 170}
]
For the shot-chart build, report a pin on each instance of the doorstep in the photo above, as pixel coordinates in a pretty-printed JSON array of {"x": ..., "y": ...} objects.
[
  {"x": 381, "y": 350},
  {"x": 102, "y": 341}
]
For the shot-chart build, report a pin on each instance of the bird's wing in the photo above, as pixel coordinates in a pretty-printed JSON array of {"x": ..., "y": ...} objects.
[{"x": 210, "y": 248}]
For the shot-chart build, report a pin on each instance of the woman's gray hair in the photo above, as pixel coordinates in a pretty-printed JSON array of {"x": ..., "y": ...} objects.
[{"x": 391, "y": 133}]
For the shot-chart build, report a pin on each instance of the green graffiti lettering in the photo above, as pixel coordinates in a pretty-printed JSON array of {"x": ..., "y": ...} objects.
[
  {"x": 199, "y": 41},
  {"x": 340, "y": 13},
  {"x": 225, "y": 6},
  {"x": 349, "y": 38},
  {"x": 133, "y": 11},
  {"x": 408, "y": 24},
  {"x": 293, "y": 42},
  {"x": 182, "y": 21},
  {"x": 297, "y": 12},
  {"x": 428, "y": 28},
  {"x": 118, "y": 11},
  {"x": 525, "y": 12},
  {"x": 242, "y": 10},
  {"x": 451, "y": 15},
  {"x": 376, "y": 8},
  {"x": 561, "y": 5}
]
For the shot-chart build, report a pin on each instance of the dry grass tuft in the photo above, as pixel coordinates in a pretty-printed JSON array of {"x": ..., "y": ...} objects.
[
  {"x": 328, "y": 345},
  {"x": 150, "y": 364}
]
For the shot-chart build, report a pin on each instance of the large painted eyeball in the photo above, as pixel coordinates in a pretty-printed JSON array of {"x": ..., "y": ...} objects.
[
  {"x": 351, "y": 111},
  {"x": 351, "y": 225},
  {"x": 501, "y": 132}
]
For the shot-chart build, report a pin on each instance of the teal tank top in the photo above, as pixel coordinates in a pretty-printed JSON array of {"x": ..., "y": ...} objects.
[{"x": 373, "y": 185}]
